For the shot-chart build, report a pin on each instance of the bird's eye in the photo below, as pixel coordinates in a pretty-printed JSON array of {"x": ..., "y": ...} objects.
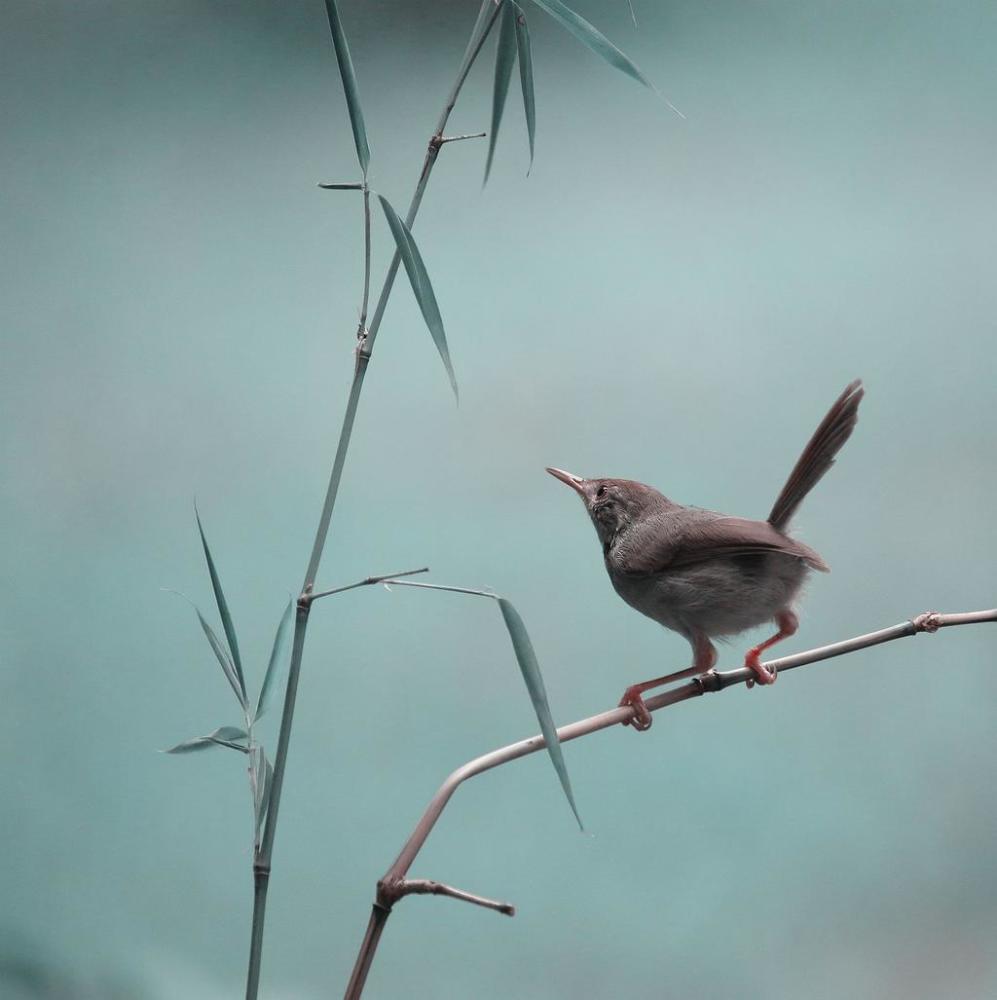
[{"x": 601, "y": 492}]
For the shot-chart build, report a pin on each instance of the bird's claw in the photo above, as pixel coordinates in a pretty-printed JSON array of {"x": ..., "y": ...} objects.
[
  {"x": 641, "y": 719},
  {"x": 763, "y": 675}
]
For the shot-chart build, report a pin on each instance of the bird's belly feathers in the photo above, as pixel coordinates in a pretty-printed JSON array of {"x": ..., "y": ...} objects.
[{"x": 721, "y": 596}]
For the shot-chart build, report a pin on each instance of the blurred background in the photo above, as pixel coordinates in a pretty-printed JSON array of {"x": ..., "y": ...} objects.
[{"x": 676, "y": 301}]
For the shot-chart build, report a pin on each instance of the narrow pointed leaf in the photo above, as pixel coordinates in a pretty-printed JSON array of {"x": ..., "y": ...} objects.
[
  {"x": 633, "y": 13},
  {"x": 224, "y": 659},
  {"x": 223, "y": 737},
  {"x": 257, "y": 776},
  {"x": 275, "y": 654},
  {"x": 350, "y": 89},
  {"x": 505, "y": 56},
  {"x": 421, "y": 285},
  {"x": 229, "y": 733},
  {"x": 538, "y": 695},
  {"x": 526, "y": 77},
  {"x": 589, "y": 35},
  {"x": 216, "y": 586},
  {"x": 260, "y": 779}
]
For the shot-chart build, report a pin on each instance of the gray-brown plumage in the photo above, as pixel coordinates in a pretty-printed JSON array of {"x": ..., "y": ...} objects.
[{"x": 707, "y": 575}]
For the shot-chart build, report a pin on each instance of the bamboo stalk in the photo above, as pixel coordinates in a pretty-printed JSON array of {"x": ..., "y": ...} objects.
[{"x": 366, "y": 336}]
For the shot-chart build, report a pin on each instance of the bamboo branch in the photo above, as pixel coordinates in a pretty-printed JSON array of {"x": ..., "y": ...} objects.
[
  {"x": 391, "y": 887},
  {"x": 368, "y": 581},
  {"x": 460, "y": 138}
]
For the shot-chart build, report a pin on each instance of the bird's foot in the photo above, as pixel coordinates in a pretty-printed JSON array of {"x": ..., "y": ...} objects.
[
  {"x": 762, "y": 673},
  {"x": 633, "y": 698}
]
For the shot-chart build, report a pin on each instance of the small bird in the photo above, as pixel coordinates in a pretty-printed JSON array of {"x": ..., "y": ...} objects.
[{"x": 707, "y": 575}]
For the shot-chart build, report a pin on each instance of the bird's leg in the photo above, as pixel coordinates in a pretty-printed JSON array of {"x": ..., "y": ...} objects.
[
  {"x": 788, "y": 624},
  {"x": 704, "y": 659}
]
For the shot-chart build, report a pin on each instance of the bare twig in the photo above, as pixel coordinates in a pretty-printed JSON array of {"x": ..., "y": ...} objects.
[
  {"x": 368, "y": 581},
  {"x": 425, "y": 886},
  {"x": 390, "y": 888},
  {"x": 461, "y": 138}
]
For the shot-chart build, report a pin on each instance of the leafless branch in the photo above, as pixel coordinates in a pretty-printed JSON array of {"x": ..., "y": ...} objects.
[
  {"x": 461, "y": 138},
  {"x": 394, "y": 885},
  {"x": 368, "y": 582}
]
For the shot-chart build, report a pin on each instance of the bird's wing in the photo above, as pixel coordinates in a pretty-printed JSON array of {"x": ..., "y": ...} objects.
[{"x": 712, "y": 536}]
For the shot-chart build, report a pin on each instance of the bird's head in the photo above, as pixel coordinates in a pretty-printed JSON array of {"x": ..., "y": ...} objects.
[{"x": 613, "y": 504}]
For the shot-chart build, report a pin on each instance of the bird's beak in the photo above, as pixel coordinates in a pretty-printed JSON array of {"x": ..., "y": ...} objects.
[{"x": 575, "y": 482}]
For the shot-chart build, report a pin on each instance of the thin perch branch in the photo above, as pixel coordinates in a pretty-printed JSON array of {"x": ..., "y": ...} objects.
[{"x": 391, "y": 887}]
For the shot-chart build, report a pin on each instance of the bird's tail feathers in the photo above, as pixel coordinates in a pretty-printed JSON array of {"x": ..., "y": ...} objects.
[{"x": 819, "y": 454}]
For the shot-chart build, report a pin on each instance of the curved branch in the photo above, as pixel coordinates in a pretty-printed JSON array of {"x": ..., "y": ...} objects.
[{"x": 394, "y": 885}]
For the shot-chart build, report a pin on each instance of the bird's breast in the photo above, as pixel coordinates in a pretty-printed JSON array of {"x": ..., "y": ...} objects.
[{"x": 721, "y": 596}]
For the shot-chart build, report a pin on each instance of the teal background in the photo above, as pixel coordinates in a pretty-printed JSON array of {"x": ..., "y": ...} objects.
[{"x": 673, "y": 301}]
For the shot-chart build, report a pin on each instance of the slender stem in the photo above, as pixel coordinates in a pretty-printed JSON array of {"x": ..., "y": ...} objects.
[
  {"x": 389, "y": 578},
  {"x": 444, "y": 139},
  {"x": 439, "y": 586},
  {"x": 375, "y": 926},
  {"x": 392, "y": 886},
  {"x": 256, "y": 941},
  {"x": 486, "y": 18},
  {"x": 284, "y": 737},
  {"x": 362, "y": 331},
  {"x": 332, "y": 490}
]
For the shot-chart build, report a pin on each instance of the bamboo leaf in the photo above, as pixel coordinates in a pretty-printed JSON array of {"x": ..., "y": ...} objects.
[
  {"x": 223, "y": 658},
  {"x": 233, "y": 644},
  {"x": 271, "y": 674},
  {"x": 589, "y": 35},
  {"x": 505, "y": 56},
  {"x": 350, "y": 89},
  {"x": 260, "y": 778},
  {"x": 530, "y": 670},
  {"x": 538, "y": 695},
  {"x": 421, "y": 285},
  {"x": 526, "y": 77},
  {"x": 222, "y": 737}
]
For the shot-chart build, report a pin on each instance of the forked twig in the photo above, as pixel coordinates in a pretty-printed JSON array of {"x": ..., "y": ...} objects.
[{"x": 395, "y": 885}]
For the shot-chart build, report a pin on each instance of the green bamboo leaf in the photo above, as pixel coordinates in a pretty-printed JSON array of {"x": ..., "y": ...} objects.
[
  {"x": 223, "y": 658},
  {"x": 222, "y": 737},
  {"x": 216, "y": 586},
  {"x": 421, "y": 285},
  {"x": 538, "y": 695},
  {"x": 589, "y": 35},
  {"x": 505, "y": 56},
  {"x": 260, "y": 778},
  {"x": 270, "y": 675},
  {"x": 530, "y": 669},
  {"x": 349, "y": 85},
  {"x": 526, "y": 76}
]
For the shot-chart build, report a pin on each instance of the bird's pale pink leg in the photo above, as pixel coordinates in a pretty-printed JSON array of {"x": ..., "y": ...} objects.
[
  {"x": 788, "y": 624},
  {"x": 704, "y": 658}
]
